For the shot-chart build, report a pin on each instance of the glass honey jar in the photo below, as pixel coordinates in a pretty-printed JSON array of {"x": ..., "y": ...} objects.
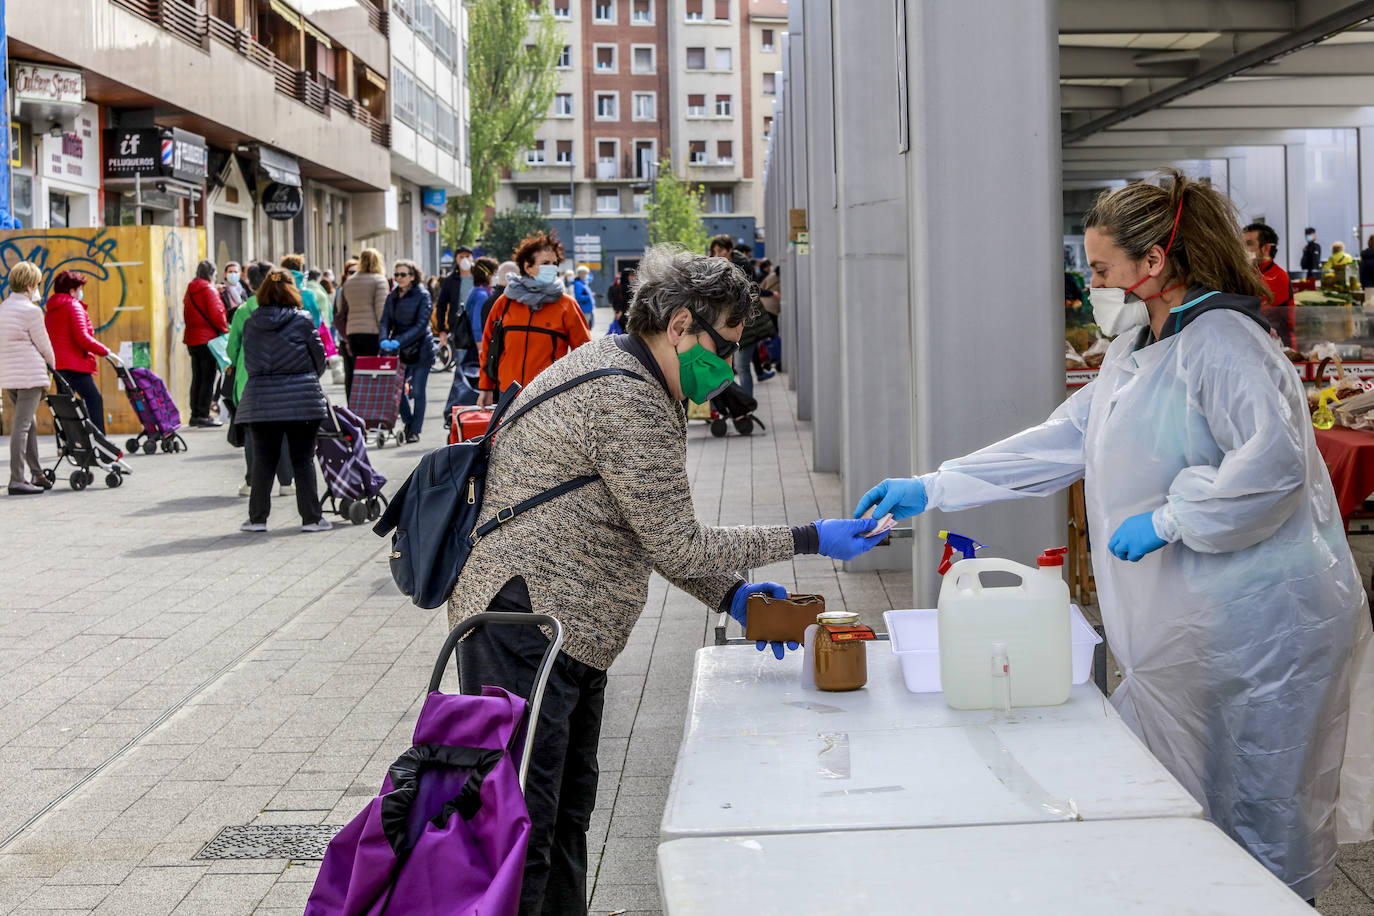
[{"x": 840, "y": 656}]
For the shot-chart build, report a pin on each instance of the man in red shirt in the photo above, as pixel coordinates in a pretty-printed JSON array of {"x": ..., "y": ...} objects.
[{"x": 1281, "y": 312}]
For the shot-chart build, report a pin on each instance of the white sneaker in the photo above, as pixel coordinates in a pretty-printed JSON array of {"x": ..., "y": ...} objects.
[
  {"x": 253, "y": 526},
  {"x": 246, "y": 490},
  {"x": 286, "y": 489},
  {"x": 323, "y": 524}
]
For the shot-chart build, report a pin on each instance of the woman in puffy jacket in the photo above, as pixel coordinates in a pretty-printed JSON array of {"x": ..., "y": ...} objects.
[
  {"x": 282, "y": 399},
  {"x": 74, "y": 343},
  {"x": 358, "y": 314},
  {"x": 404, "y": 325},
  {"x": 203, "y": 312},
  {"x": 25, "y": 358}
]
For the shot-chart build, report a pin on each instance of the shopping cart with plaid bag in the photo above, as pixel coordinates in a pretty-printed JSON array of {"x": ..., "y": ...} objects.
[{"x": 378, "y": 383}]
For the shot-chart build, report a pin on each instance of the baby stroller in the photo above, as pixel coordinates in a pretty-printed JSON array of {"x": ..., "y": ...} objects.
[
  {"x": 156, "y": 411},
  {"x": 352, "y": 486},
  {"x": 79, "y": 442},
  {"x": 378, "y": 383},
  {"x": 734, "y": 404},
  {"x": 447, "y": 833}
]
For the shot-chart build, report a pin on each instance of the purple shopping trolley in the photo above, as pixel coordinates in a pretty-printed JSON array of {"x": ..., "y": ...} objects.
[
  {"x": 351, "y": 484},
  {"x": 156, "y": 411},
  {"x": 448, "y": 833}
]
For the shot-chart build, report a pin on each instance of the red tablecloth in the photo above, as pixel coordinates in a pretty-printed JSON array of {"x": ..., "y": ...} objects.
[{"x": 1349, "y": 456}]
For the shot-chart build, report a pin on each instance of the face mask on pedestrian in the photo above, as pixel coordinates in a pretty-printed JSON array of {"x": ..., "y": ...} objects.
[
  {"x": 232, "y": 278},
  {"x": 703, "y": 374},
  {"x": 465, "y": 264},
  {"x": 80, "y": 293},
  {"x": 34, "y": 295},
  {"x": 1311, "y": 236},
  {"x": 548, "y": 273}
]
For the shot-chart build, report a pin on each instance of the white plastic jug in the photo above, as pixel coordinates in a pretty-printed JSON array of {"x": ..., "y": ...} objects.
[{"x": 1031, "y": 618}]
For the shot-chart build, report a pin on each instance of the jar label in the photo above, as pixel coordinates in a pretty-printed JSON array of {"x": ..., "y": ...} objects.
[{"x": 845, "y": 634}]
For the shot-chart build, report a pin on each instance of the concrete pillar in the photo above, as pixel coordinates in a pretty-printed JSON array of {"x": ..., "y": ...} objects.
[
  {"x": 1295, "y": 196},
  {"x": 800, "y": 373},
  {"x": 1364, "y": 138},
  {"x": 823, "y": 224},
  {"x": 988, "y": 331},
  {"x": 874, "y": 324},
  {"x": 782, "y": 248}
]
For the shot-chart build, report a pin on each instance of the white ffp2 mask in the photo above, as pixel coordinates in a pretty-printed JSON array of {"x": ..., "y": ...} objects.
[{"x": 1114, "y": 315}]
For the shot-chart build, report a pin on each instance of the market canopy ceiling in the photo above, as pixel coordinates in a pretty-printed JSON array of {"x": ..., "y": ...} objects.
[{"x": 1143, "y": 82}]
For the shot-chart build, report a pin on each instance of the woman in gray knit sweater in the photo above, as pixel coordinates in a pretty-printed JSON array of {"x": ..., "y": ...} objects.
[{"x": 586, "y": 557}]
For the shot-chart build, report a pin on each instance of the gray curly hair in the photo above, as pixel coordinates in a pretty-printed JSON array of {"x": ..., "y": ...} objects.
[{"x": 669, "y": 278}]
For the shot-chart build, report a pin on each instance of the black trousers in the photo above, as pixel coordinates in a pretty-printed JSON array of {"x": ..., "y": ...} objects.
[
  {"x": 203, "y": 372},
  {"x": 83, "y": 383},
  {"x": 266, "y": 443},
  {"x": 283, "y": 461},
  {"x": 560, "y": 788},
  {"x": 358, "y": 345}
]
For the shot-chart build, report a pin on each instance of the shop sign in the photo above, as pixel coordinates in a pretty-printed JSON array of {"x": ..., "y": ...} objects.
[
  {"x": 280, "y": 167},
  {"x": 74, "y": 156},
  {"x": 45, "y": 84},
  {"x": 132, "y": 151},
  {"x": 434, "y": 199},
  {"x": 184, "y": 156},
  {"x": 281, "y": 201}
]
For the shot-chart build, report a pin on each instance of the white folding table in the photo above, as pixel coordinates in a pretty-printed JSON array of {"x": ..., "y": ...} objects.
[{"x": 1179, "y": 866}]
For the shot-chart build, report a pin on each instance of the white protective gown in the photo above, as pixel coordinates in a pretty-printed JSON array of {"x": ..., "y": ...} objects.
[{"x": 1245, "y": 643}]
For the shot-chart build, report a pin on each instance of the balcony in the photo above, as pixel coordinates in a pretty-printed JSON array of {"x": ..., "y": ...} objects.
[
  {"x": 179, "y": 17},
  {"x": 607, "y": 168}
]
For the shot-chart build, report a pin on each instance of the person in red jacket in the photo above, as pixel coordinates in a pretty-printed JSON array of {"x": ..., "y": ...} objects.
[
  {"x": 203, "y": 312},
  {"x": 1262, "y": 242},
  {"x": 74, "y": 343}
]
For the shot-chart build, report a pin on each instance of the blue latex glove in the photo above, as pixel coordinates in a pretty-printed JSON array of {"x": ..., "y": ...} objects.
[
  {"x": 1135, "y": 538},
  {"x": 843, "y": 538},
  {"x": 739, "y": 612},
  {"x": 903, "y": 497},
  {"x": 386, "y": 346}
]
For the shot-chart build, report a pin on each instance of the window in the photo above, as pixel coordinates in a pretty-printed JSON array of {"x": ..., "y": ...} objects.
[
  {"x": 696, "y": 106},
  {"x": 608, "y": 106},
  {"x": 645, "y": 158},
  {"x": 604, "y": 11},
  {"x": 607, "y": 200},
  {"x": 642, "y": 59},
  {"x": 424, "y": 21},
  {"x": 725, "y": 152},
  {"x": 562, "y": 9},
  {"x": 770, "y": 84},
  {"x": 722, "y": 10},
  {"x": 644, "y": 107},
  {"x": 768, "y": 40},
  {"x": 426, "y": 114},
  {"x": 605, "y": 58},
  {"x": 767, "y": 127},
  {"x": 535, "y": 156},
  {"x": 698, "y": 152},
  {"x": 565, "y": 58},
  {"x": 696, "y": 58},
  {"x": 445, "y": 40},
  {"x": 641, "y": 200},
  {"x": 560, "y": 201},
  {"x": 607, "y": 159},
  {"x": 725, "y": 107},
  {"x": 563, "y": 105},
  {"x": 527, "y": 198},
  {"x": 722, "y": 200},
  {"x": 642, "y": 12},
  {"x": 694, "y": 13},
  {"x": 724, "y": 59},
  {"x": 403, "y": 91},
  {"x": 565, "y": 152},
  {"x": 403, "y": 9},
  {"x": 447, "y": 129}
]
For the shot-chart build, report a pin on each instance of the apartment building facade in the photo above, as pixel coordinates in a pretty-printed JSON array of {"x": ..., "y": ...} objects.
[
  {"x": 626, "y": 101},
  {"x": 767, "y": 29},
  {"x": 271, "y": 121}
]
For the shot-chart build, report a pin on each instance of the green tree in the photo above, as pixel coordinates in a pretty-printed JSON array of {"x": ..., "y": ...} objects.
[
  {"x": 511, "y": 83},
  {"x": 509, "y": 228},
  {"x": 673, "y": 212}
]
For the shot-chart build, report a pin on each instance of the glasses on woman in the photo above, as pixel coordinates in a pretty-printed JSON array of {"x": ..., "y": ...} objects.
[
  {"x": 401, "y": 274},
  {"x": 724, "y": 348}
]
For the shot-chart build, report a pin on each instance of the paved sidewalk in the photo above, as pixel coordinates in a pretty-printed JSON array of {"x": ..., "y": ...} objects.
[{"x": 163, "y": 676}]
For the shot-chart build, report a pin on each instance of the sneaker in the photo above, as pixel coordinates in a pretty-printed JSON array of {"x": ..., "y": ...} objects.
[
  {"x": 286, "y": 489},
  {"x": 40, "y": 481},
  {"x": 323, "y": 524},
  {"x": 251, "y": 525},
  {"x": 246, "y": 490},
  {"x": 412, "y": 438},
  {"x": 24, "y": 488},
  {"x": 765, "y": 376}
]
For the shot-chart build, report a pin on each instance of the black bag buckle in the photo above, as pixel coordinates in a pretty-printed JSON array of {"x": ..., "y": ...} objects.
[{"x": 505, "y": 515}]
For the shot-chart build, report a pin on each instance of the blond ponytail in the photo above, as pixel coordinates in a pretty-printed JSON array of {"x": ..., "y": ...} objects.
[{"x": 1207, "y": 248}]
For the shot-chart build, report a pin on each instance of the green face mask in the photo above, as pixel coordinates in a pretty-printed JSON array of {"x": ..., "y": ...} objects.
[{"x": 703, "y": 374}]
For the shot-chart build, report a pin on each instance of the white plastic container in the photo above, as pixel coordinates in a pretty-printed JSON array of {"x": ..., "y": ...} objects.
[
  {"x": 915, "y": 640},
  {"x": 1031, "y": 617}
]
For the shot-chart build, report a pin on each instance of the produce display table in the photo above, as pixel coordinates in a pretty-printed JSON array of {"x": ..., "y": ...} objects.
[
  {"x": 1349, "y": 456},
  {"x": 1178, "y": 866},
  {"x": 762, "y": 755}
]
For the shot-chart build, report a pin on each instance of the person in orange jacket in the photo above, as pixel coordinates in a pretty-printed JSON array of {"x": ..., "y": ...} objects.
[{"x": 534, "y": 323}]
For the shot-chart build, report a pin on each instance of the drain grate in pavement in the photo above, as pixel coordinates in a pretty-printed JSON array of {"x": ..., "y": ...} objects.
[{"x": 270, "y": 841}]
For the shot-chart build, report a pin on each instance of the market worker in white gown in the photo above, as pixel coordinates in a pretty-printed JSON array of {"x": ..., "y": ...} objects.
[{"x": 1227, "y": 587}]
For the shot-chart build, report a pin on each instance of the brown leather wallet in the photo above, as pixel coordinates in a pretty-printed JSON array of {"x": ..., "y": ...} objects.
[{"x": 781, "y": 619}]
